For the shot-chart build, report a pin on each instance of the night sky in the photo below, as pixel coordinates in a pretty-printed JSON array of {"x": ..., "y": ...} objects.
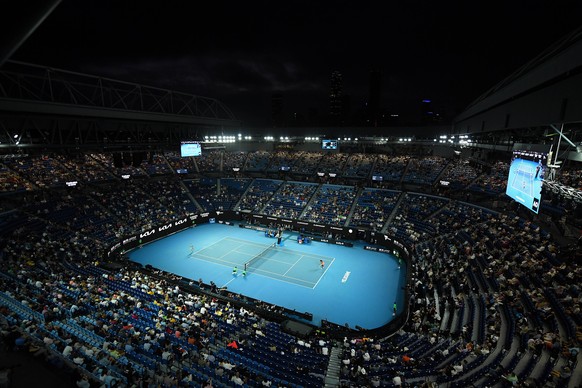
[{"x": 243, "y": 52}]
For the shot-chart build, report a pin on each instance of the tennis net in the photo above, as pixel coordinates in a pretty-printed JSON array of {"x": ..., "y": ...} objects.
[{"x": 253, "y": 259}]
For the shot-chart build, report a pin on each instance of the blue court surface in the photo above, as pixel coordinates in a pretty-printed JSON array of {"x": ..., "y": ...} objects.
[
  {"x": 524, "y": 183},
  {"x": 355, "y": 286}
]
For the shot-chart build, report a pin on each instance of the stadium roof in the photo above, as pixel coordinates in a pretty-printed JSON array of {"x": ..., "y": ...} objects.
[{"x": 539, "y": 93}]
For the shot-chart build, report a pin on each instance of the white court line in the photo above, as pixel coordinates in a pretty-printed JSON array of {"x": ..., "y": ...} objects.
[
  {"x": 249, "y": 242},
  {"x": 227, "y": 283},
  {"x": 282, "y": 280},
  {"x": 242, "y": 253},
  {"x": 275, "y": 260},
  {"x": 321, "y": 277},
  {"x": 278, "y": 274},
  {"x": 213, "y": 259},
  {"x": 298, "y": 260},
  {"x": 200, "y": 250},
  {"x": 280, "y": 248},
  {"x": 257, "y": 271},
  {"x": 227, "y": 253},
  {"x": 216, "y": 243},
  {"x": 251, "y": 256}
]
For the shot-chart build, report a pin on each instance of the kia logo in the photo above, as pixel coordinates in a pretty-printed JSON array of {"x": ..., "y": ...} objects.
[
  {"x": 148, "y": 233},
  {"x": 165, "y": 227}
]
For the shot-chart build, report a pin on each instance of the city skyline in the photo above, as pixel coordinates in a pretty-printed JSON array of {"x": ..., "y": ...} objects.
[{"x": 243, "y": 54}]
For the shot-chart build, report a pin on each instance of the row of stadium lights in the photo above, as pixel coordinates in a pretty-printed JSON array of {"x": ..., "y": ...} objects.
[
  {"x": 463, "y": 139},
  {"x": 16, "y": 138},
  {"x": 232, "y": 139},
  {"x": 226, "y": 139},
  {"x": 308, "y": 138}
]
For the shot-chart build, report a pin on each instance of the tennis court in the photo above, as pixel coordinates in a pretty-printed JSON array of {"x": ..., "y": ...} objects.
[
  {"x": 268, "y": 260},
  {"x": 356, "y": 286}
]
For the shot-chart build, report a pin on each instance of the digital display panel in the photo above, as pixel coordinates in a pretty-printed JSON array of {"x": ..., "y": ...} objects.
[
  {"x": 329, "y": 144},
  {"x": 190, "y": 148},
  {"x": 526, "y": 173}
]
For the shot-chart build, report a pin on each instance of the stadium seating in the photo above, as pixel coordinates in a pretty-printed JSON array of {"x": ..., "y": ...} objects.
[
  {"x": 492, "y": 182},
  {"x": 290, "y": 200},
  {"x": 257, "y": 195},
  {"x": 210, "y": 161},
  {"x": 257, "y": 161},
  {"x": 391, "y": 168},
  {"x": 358, "y": 166},
  {"x": 373, "y": 208},
  {"x": 424, "y": 171},
  {"x": 307, "y": 163},
  {"x": 179, "y": 163},
  {"x": 460, "y": 173},
  {"x": 332, "y": 163},
  {"x": 234, "y": 160},
  {"x": 11, "y": 181},
  {"x": 331, "y": 205},
  {"x": 491, "y": 293},
  {"x": 43, "y": 171},
  {"x": 281, "y": 159}
]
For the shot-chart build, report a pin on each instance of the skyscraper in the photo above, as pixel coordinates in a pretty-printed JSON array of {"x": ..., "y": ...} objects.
[
  {"x": 277, "y": 117},
  {"x": 426, "y": 111},
  {"x": 335, "y": 96}
]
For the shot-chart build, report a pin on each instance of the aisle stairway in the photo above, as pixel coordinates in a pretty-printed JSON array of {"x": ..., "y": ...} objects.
[
  {"x": 394, "y": 212},
  {"x": 353, "y": 207},
  {"x": 189, "y": 194},
  {"x": 332, "y": 376}
]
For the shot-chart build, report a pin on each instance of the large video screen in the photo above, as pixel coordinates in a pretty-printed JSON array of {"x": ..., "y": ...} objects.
[
  {"x": 329, "y": 144},
  {"x": 526, "y": 172},
  {"x": 190, "y": 148}
]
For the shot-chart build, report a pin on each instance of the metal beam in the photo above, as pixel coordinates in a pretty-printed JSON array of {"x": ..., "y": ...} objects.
[
  {"x": 564, "y": 191},
  {"x": 24, "y": 21},
  {"x": 24, "y": 81},
  {"x": 561, "y": 133},
  {"x": 26, "y": 130},
  {"x": 58, "y": 109}
]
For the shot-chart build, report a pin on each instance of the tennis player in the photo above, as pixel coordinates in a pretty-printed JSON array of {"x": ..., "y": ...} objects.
[
  {"x": 279, "y": 235},
  {"x": 321, "y": 263}
]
